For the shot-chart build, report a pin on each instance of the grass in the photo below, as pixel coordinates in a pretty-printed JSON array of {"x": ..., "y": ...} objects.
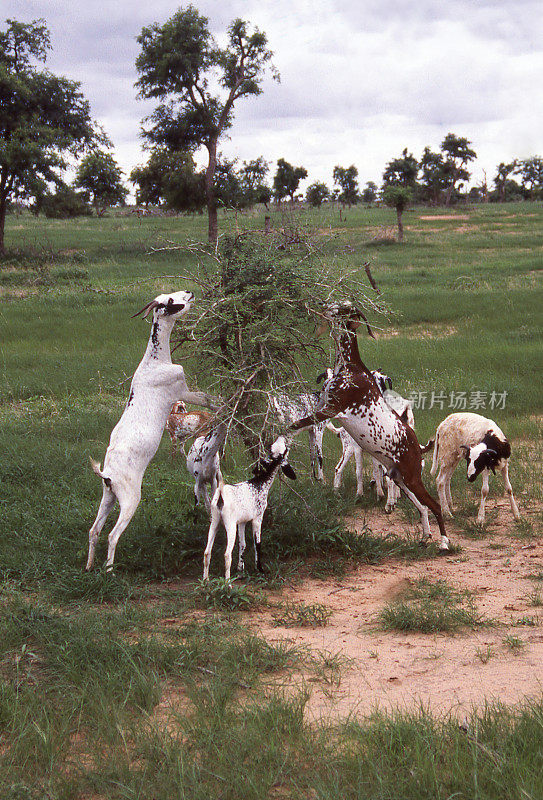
[
  {"x": 431, "y": 607},
  {"x": 145, "y": 683}
]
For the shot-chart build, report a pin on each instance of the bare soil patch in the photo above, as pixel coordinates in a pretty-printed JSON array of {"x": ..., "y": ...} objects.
[
  {"x": 459, "y": 217},
  {"x": 444, "y": 672},
  {"x": 437, "y": 331}
]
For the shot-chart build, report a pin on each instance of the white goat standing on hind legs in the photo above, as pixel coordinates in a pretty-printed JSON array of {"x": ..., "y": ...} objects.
[{"x": 156, "y": 385}]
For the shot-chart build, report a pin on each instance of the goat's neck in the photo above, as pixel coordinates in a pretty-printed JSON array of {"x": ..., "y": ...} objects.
[
  {"x": 347, "y": 351},
  {"x": 158, "y": 347}
]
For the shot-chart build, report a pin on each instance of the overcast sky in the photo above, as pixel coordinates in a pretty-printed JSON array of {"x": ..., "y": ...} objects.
[{"x": 360, "y": 79}]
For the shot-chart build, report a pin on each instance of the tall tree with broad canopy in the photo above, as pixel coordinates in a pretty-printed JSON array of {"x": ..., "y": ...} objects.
[
  {"x": 503, "y": 171},
  {"x": 43, "y": 117},
  {"x": 99, "y": 176},
  {"x": 434, "y": 176},
  {"x": 458, "y": 154},
  {"x": 180, "y": 64},
  {"x": 402, "y": 171},
  {"x": 347, "y": 179},
  {"x": 287, "y": 179}
]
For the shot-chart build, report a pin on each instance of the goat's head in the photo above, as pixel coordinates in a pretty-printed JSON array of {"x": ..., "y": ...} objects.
[
  {"x": 479, "y": 457},
  {"x": 345, "y": 315},
  {"x": 382, "y": 380},
  {"x": 279, "y": 452},
  {"x": 173, "y": 305},
  {"x": 179, "y": 408}
]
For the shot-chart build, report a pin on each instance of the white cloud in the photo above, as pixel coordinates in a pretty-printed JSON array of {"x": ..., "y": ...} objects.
[{"x": 360, "y": 79}]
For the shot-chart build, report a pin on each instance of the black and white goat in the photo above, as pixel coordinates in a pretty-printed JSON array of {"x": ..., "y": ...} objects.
[
  {"x": 484, "y": 446},
  {"x": 354, "y": 397},
  {"x": 204, "y": 463},
  {"x": 236, "y": 505},
  {"x": 156, "y": 385}
]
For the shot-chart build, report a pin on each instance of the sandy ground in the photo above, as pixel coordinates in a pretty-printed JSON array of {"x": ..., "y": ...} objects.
[{"x": 444, "y": 672}]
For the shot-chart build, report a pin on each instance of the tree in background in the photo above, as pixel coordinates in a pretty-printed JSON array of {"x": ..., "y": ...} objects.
[
  {"x": 316, "y": 194},
  {"x": 347, "y": 179},
  {"x": 397, "y": 197},
  {"x": 99, "y": 176},
  {"x": 64, "y": 203},
  {"x": 434, "y": 178},
  {"x": 252, "y": 176},
  {"x": 169, "y": 177},
  {"x": 531, "y": 175},
  {"x": 402, "y": 171},
  {"x": 369, "y": 194},
  {"x": 457, "y": 154},
  {"x": 503, "y": 171},
  {"x": 179, "y": 64},
  {"x": 287, "y": 179},
  {"x": 43, "y": 118}
]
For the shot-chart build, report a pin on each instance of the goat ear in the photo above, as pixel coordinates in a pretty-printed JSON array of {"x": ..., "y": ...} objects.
[
  {"x": 491, "y": 452},
  {"x": 403, "y": 415},
  {"x": 145, "y": 310},
  {"x": 289, "y": 472},
  {"x": 389, "y": 381}
]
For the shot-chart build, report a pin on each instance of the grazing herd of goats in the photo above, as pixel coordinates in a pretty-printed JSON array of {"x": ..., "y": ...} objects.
[{"x": 372, "y": 420}]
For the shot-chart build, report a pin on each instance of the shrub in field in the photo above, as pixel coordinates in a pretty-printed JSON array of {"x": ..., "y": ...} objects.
[
  {"x": 226, "y": 594},
  {"x": 430, "y": 607}
]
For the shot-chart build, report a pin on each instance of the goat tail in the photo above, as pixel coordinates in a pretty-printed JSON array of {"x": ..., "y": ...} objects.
[
  {"x": 433, "y": 470},
  {"x": 98, "y": 471},
  {"x": 425, "y": 448}
]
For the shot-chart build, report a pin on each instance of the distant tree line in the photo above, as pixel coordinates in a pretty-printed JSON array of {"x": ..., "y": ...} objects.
[{"x": 45, "y": 125}]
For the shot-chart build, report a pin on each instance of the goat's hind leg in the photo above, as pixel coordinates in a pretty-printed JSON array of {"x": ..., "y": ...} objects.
[
  {"x": 128, "y": 504},
  {"x": 106, "y": 504},
  {"x": 241, "y": 546},
  {"x": 423, "y": 500},
  {"x": 213, "y": 526},
  {"x": 509, "y": 491}
]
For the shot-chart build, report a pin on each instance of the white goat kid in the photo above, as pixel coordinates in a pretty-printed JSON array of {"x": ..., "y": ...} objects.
[
  {"x": 156, "y": 385},
  {"x": 204, "y": 463},
  {"x": 484, "y": 446},
  {"x": 236, "y": 505}
]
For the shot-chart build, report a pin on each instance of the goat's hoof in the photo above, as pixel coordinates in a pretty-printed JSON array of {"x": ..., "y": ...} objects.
[
  {"x": 389, "y": 509},
  {"x": 444, "y": 544}
]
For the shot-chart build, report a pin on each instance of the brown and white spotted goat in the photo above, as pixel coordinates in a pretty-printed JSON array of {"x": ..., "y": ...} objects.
[{"x": 353, "y": 396}]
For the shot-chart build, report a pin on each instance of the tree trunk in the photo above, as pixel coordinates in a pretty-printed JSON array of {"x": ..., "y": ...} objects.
[
  {"x": 3, "y": 206},
  {"x": 399, "y": 213},
  {"x": 213, "y": 225}
]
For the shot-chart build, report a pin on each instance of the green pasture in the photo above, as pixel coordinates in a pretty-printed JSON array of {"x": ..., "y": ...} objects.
[{"x": 84, "y": 659}]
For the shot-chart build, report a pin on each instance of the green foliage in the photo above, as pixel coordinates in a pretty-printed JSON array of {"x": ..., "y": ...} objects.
[
  {"x": 316, "y": 194},
  {"x": 226, "y": 594},
  {"x": 287, "y": 179},
  {"x": 347, "y": 179},
  {"x": 99, "y": 176},
  {"x": 169, "y": 177},
  {"x": 401, "y": 171},
  {"x": 42, "y": 116},
  {"x": 65, "y": 203},
  {"x": 397, "y": 197},
  {"x": 178, "y": 63}
]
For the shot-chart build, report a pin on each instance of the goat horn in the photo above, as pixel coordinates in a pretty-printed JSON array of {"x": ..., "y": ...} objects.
[{"x": 145, "y": 310}]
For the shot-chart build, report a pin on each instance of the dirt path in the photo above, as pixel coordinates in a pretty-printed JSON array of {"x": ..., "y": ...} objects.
[{"x": 444, "y": 672}]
